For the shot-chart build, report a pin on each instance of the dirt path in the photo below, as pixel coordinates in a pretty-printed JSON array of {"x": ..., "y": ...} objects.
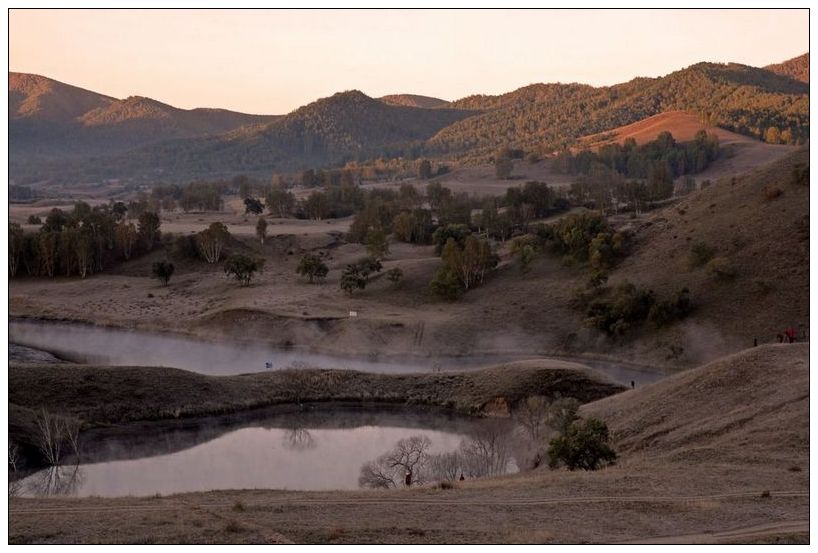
[
  {"x": 413, "y": 501},
  {"x": 738, "y": 535}
]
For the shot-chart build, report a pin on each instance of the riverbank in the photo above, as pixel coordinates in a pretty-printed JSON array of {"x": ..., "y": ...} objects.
[{"x": 100, "y": 396}]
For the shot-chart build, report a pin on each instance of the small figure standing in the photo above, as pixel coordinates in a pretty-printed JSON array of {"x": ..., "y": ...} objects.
[
  {"x": 408, "y": 479},
  {"x": 462, "y": 477},
  {"x": 633, "y": 384},
  {"x": 755, "y": 342},
  {"x": 790, "y": 333}
]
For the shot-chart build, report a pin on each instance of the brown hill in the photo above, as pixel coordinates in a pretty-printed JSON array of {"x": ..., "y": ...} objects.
[
  {"x": 50, "y": 119},
  {"x": 797, "y": 68},
  {"x": 750, "y": 408},
  {"x": 741, "y": 153},
  {"x": 683, "y": 125},
  {"x": 34, "y": 96},
  {"x": 413, "y": 101}
]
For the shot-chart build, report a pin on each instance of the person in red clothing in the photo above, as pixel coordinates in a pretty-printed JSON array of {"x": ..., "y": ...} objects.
[{"x": 790, "y": 334}]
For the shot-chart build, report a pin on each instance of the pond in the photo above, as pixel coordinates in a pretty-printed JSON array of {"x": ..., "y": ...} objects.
[
  {"x": 91, "y": 344},
  {"x": 314, "y": 450}
]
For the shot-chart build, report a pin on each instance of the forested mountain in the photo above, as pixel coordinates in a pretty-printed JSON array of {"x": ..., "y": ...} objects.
[
  {"x": 51, "y": 120},
  {"x": 797, "y": 68},
  {"x": 744, "y": 99},
  {"x": 55, "y": 129}
]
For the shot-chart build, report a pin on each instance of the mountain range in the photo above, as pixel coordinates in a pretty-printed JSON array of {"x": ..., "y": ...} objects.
[{"x": 62, "y": 133}]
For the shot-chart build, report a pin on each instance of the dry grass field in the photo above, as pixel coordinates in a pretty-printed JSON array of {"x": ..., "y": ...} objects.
[{"x": 690, "y": 470}]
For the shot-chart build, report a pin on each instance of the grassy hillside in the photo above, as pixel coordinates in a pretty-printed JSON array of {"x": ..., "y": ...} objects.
[
  {"x": 683, "y": 125},
  {"x": 761, "y": 415},
  {"x": 757, "y": 227}
]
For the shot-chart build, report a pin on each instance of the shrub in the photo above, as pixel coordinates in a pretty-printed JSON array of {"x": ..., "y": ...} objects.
[
  {"x": 356, "y": 275},
  {"x": 605, "y": 249},
  {"x": 446, "y": 284},
  {"x": 395, "y": 276},
  {"x": 34, "y": 220},
  {"x": 700, "y": 254},
  {"x": 585, "y": 446},
  {"x": 666, "y": 311},
  {"x": 162, "y": 270},
  {"x": 242, "y": 267},
  {"x": 616, "y": 313},
  {"x": 377, "y": 245},
  {"x": 572, "y": 235},
  {"x": 186, "y": 247},
  {"x": 252, "y": 205},
  {"x": 312, "y": 267},
  {"x": 721, "y": 268},
  {"x": 442, "y": 235}
]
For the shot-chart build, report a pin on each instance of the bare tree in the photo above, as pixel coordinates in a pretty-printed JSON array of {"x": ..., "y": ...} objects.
[
  {"x": 55, "y": 432},
  {"x": 14, "y": 456},
  {"x": 488, "y": 451},
  {"x": 55, "y": 481},
  {"x": 404, "y": 463},
  {"x": 531, "y": 414},
  {"x": 298, "y": 438},
  {"x": 446, "y": 466}
]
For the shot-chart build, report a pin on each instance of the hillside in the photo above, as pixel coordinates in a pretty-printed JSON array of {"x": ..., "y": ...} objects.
[
  {"x": 797, "y": 68},
  {"x": 740, "y": 153},
  {"x": 760, "y": 238},
  {"x": 744, "y": 99},
  {"x": 761, "y": 416},
  {"x": 346, "y": 126},
  {"x": 683, "y": 125},
  {"x": 36, "y": 97},
  {"x": 139, "y": 138},
  {"x": 413, "y": 101},
  {"x": 51, "y": 120}
]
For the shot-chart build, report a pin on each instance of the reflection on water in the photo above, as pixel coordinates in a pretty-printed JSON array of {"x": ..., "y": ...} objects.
[
  {"x": 85, "y": 343},
  {"x": 321, "y": 456},
  {"x": 51, "y": 481}
]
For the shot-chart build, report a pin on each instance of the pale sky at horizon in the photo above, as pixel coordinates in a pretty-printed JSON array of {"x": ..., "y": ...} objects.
[{"x": 273, "y": 61}]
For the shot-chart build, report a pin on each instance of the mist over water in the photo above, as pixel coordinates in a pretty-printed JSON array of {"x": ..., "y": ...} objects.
[
  {"x": 322, "y": 451},
  {"x": 90, "y": 344}
]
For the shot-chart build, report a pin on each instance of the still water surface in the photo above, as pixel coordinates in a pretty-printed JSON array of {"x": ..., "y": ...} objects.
[
  {"x": 255, "y": 455},
  {"x": 90, "y": 344}
]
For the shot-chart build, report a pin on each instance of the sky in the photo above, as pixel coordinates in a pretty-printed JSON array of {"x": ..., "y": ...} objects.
[{"x": 273, "y": 61}]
